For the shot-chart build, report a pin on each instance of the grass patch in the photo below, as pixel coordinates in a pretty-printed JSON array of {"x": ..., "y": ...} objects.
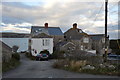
[
  {"x": 102, "y": 71},
  {"x": 77, "y": 66},
  {"x": 29, "y": 55},
  {"x": 13, "y": 63}
]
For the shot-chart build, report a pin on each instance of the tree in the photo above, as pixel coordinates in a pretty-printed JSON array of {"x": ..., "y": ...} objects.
[{"x": 15, "y": 48}]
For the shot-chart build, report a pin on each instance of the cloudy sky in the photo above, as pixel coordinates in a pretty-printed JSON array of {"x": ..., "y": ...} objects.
[{"x": 20, "y": 16}]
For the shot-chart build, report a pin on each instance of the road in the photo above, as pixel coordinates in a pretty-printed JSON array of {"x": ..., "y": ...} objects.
[{"x": 43, "y": 69}]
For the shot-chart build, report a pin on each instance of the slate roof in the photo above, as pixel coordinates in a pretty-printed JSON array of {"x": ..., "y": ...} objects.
[
  {"x": 62, "y": 43},
  {"x": 77, "y": 37},
  {"x": 96, "y": 37},
  {"x": 13, "y": 35},
  {"x": 41, "y": 35},
  {"x": 49, "y": 30}
]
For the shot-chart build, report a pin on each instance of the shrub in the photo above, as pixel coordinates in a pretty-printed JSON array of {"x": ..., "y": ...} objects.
[
  {"x": 15, "y": 48},
  {"x": 76, "y": 65},
  {"x": 16, "y": 56},
  {"x": 29, "y": 55},
  {"x": 13, "y": 63},
  {"x": 61, "y": 63},
  {"x": 95, "y": 60},
  {"x": 58, "y": 54},
  {"x": 71, "y": 65}
]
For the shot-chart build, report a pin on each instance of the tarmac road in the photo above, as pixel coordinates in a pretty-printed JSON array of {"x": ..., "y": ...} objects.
[{"x": 43, "y": 69}]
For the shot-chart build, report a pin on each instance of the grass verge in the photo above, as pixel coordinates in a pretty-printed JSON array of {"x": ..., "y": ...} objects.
[
  {"x": 13, "y": 63},
  {"x": 76, "y": 66},
  {"x": 29, "y": 55}
]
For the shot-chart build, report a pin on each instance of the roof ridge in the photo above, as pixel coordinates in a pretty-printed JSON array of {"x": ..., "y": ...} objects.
[
  {"x": 44, "y": 26},
  {"x": 96, "y": 34}
]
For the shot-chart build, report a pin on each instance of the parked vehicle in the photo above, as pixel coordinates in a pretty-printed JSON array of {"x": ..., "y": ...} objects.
[
  {"x": 42, "y": 56},
  {"x": 113, "y": 57}
]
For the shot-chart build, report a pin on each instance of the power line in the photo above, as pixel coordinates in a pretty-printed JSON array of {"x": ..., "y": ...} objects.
[{"x": 98, "y": 13}]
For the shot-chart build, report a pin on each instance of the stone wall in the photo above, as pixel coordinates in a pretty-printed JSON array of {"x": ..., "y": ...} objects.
[
  {"x": 57, "y": 39},
  {"x": 6, "y": 52}
]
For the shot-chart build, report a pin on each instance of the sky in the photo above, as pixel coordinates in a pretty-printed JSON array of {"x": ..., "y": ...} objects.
[{"x": 18, "y": 16}]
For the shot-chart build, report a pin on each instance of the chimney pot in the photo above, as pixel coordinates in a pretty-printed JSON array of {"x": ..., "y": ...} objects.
[
  {"x": 75, "y": 25},
  {"x": 46, "y": 25}
]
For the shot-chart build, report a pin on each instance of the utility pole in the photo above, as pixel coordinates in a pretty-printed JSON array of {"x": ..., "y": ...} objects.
[{"x": 106, "y": 10}]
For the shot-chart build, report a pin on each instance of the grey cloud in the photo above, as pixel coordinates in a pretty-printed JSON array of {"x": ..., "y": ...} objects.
[{"x": 63, "y": 15}]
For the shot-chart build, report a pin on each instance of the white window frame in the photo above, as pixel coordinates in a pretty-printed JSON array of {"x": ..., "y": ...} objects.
[
  {"x": 86, "y": 40},
  {"x": 80, "y": 31},
  {"x": 82, "y": 47},
  {"x": 46, "y": 42},
  {"x": 103, "y": 40}
]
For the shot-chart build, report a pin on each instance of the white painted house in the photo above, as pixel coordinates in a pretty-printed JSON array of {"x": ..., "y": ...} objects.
[
  {"x": 19, "y": 39},
  {"x": 40, "y": 43}
]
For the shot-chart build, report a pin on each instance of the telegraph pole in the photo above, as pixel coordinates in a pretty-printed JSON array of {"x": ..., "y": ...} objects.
[{"x": 106, "y": 10}]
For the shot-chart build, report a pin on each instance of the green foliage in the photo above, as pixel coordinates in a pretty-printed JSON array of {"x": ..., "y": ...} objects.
[
  {"x": 67, "y": 64},
  {"x": 116, "y": 51},
  {"x": 114, "y": 44},
  {"x": 29, "y": 55},
  {"x": 15, "y": 48},
  {"x": 58, "y": 54},
  {"x": 76, "y": 66},
  {"x": 13, "y": 63},
  {"x": 102, "y": 71},
  {"x": 16, "y": 56}
]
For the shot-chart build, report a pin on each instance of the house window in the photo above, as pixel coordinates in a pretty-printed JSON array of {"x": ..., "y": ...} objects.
[
  {"x": 46, "y": 42},
  {"x": 86, "y": 40},
  {"x": 103, "y": 40},
  {"x": 43, "y": 42},
  {"x": 81, "y": 47},
  {"x": 64, "y": 36},
  {"x": 80, "y": 31}
]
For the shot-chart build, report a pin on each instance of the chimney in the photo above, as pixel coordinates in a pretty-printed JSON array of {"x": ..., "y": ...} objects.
[
  {"x": 46, "y": 25},
  {"x": 75, "y": 26}
]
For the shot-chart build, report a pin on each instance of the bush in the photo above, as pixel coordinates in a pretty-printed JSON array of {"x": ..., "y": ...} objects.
[
  {"x": 29, "y": 55},
  {"x": 71, "y": 65},
  {"x": 77, "y": 66},
  {"x": 15, "y": 48},
  {"x": 13, "y": 63},
  {"x": 16, "y": 56},
  {"x": 58, "y": 54},
  {"x": 116, "y": 51}
]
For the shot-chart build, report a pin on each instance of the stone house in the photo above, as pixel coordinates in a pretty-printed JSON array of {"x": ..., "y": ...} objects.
[
  {"x": 78, "y": 37},
  {"x": 55, "y": 32},
  {"x": 84, "y": 41},
  {"x": 98, "y": 42},
  {"x": 66, "y": 46}
]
